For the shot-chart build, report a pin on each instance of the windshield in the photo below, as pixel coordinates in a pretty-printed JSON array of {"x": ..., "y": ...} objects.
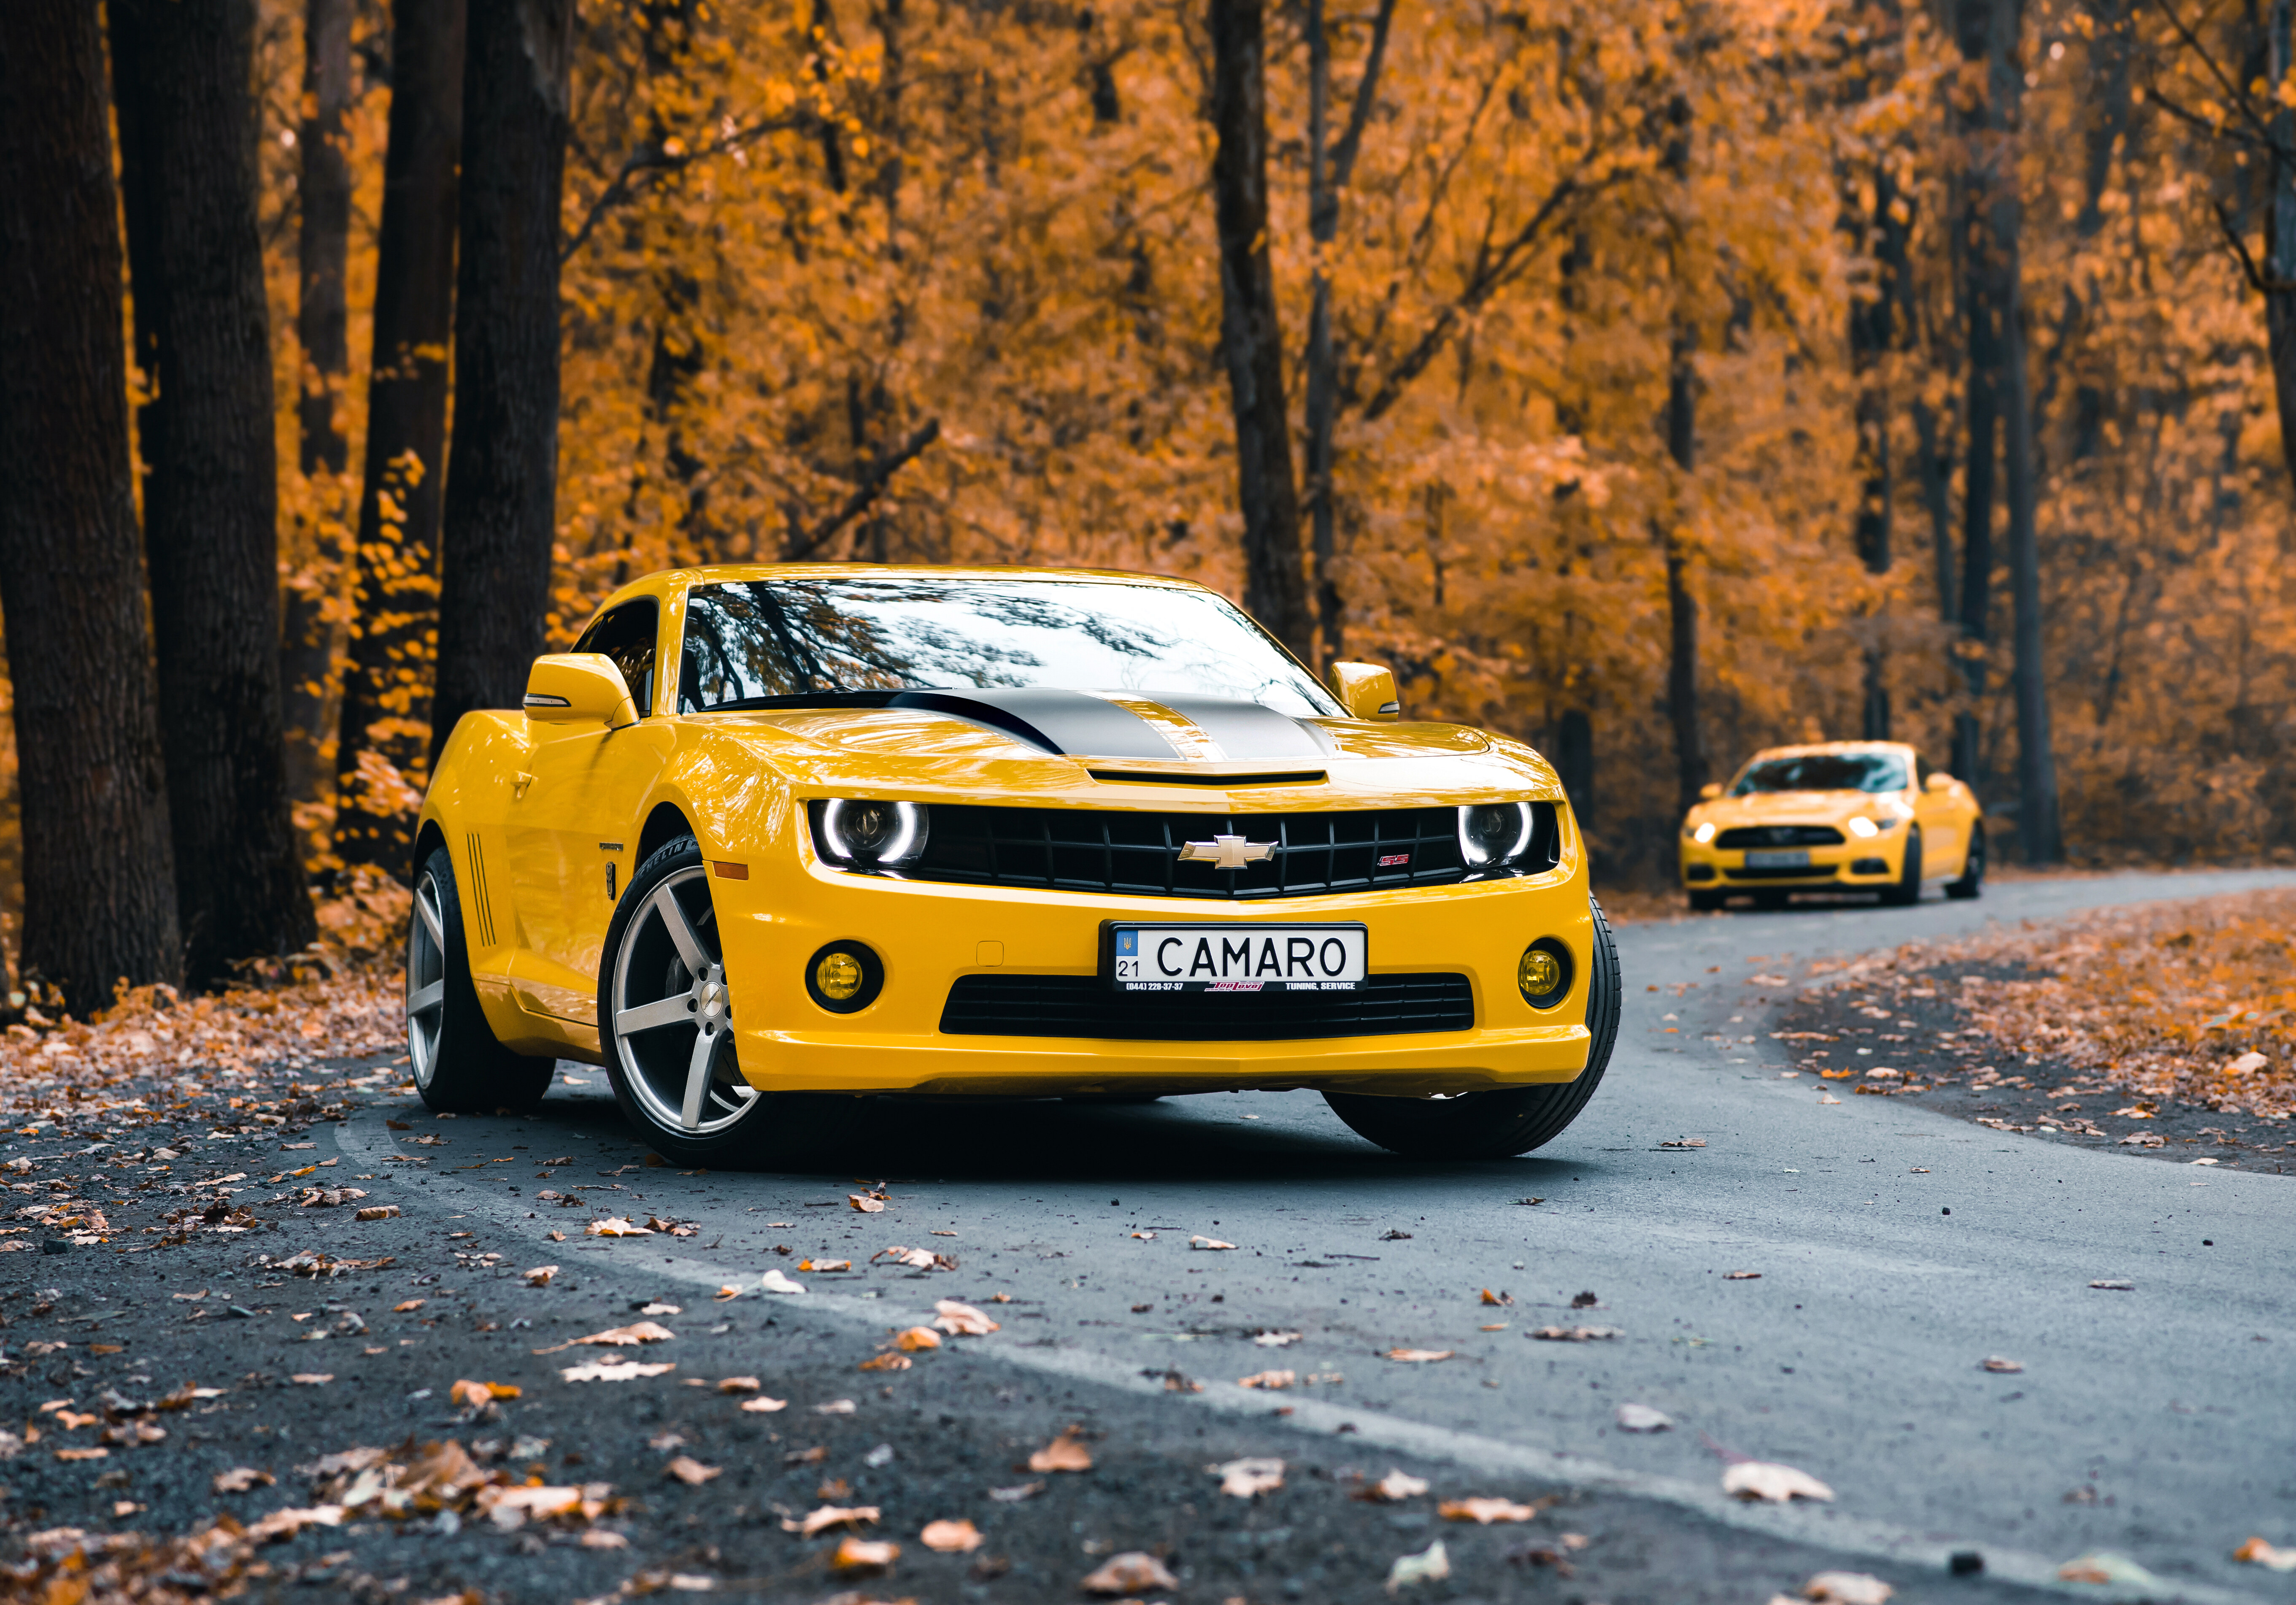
[
  {"x": 1823, "y": 772},
  {"x": 767, "y": 643}
]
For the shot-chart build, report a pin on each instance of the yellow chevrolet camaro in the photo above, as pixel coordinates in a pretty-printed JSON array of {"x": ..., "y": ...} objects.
[
  {"x": 771, "y": 841},
  {"x": 1835, "y": 816}
]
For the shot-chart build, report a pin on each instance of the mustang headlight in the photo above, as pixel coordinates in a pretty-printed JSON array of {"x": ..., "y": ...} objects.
[
  {"x": 1704, "y": 833},
  {"x": 870, "y": 835},
  {"x": 1493, "y": 834}
]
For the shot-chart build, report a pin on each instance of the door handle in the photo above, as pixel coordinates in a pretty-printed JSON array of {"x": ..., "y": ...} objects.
[{"x": 520, "y": 782}]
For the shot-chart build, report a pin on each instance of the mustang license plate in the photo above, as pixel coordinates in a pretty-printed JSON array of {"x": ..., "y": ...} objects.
[
  {"x": 1795, "y": 860},
  {"x": 1237, "y": 958}
]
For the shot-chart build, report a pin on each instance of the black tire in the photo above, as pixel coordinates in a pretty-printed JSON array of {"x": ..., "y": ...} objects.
[
  {"x": 1973, "y": 869},
  {"x": 1498, "y": 1125},
  {"x": 1908, "y": 888},
  {"x": 1706, "y": 903},
  {"x": 460, "y": 1067},
  {"x": 725, "y": 1123}
]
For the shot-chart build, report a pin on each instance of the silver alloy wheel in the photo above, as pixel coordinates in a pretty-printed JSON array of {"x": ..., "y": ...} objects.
[
  {"x": 426, "y": 979},
  {"x": 673, "y": 1020}
]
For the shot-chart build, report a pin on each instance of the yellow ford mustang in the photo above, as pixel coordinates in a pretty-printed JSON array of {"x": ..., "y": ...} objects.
[
  {"x": 772, "y": 837},
  {"x": 1836, "y": 817}
]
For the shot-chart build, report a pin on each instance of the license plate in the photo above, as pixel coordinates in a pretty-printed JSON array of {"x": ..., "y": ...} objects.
[
  {"x": 1795, "y": 860},
  {"x": 1237, "y": 958}
]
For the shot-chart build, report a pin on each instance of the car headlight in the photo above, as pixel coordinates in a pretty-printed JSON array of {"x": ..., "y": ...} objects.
[
  {"x": 870, "y": 835},
  {"x": 1493, "y": 834},
  {"x": 1704, "y": 833},
  {"x": 1862, "y": 827}
]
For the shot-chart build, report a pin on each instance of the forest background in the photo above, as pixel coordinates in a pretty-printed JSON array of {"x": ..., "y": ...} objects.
[{"x": 1651, "y": 382}]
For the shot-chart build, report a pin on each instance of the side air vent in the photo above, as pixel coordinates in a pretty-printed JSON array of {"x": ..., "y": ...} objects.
[{"x": 481, "y": 905}]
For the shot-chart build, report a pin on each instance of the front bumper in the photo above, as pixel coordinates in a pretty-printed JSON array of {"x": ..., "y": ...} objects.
[
  {"x": 927, "y": 935},
  {"x": 1859, "y": 865}
]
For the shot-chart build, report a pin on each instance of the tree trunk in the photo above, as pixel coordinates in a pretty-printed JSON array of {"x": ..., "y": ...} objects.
[
  {"x": 184, "y": 70},
  {"x": 2038, "y": 835},
  {"x": 1681, "y": 446},
  {"x": 1251, "y": 339},
  {"x": 2280, "y": 254},
  {"x": 1328, "y": 171},
  {"x": 313, "y": 631},
  {"x": 502, "y": 518},
  {"x": 99, "y": 871},
  {"x": 388, "y": 685},
  {"x": 1972, "y": 20}
]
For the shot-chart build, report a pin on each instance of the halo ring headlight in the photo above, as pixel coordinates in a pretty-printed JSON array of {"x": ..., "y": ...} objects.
[
  {"x": 1495, "y": 833},
  {"x": 873, "y": 834}
]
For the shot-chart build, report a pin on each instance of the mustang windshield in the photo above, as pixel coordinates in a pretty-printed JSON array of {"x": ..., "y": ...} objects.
[
  {"x": 763, "y": 643},
  {"x": 1824, "y": 771}
]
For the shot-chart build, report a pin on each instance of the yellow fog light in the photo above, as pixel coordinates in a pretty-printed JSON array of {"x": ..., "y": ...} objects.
[
  {"x": 838, "y": 976},
  {"x": 1544, "y": 973},
  {"x": 844, "y": 976}
]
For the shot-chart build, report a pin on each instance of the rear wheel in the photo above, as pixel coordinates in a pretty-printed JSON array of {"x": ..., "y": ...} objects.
[
  {"x": 1908, "y": 889},
  {"x": 459, "y": 1066},
  {"x": 1972, "y": 868},
  {"x": 1498, "y": 1125},
  {"x": 666, "y": 1024}
]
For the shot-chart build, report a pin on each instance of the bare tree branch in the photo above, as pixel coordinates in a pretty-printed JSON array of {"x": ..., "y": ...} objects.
[
  {"x": 802, "y": 543},
  {"x": 654, "y": 157},
  {"x": 2258, "y": 279},
  {"x": 1343, "y": 154}
]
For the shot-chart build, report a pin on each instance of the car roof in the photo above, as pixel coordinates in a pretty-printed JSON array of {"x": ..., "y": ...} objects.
[
  {"x": 1810, "y": 749},
  {"x": 666, "y": 582}
]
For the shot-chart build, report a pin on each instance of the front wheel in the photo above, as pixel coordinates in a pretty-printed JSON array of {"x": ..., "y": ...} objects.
[
  {"x": 666, "y": 1024},
  {"x": 1498, "y": 1125},
  {"x": 1972, "y": 867},
  {"x": 1908, "y": 889},
  {"x": 460, "y": 1067}
]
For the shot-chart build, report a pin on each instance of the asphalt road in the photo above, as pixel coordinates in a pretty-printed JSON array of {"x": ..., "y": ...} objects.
[{"x": 1896, "y": 1250}]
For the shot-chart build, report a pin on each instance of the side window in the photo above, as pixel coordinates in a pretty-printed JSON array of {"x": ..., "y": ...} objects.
[{"x": 627, "y": 636}]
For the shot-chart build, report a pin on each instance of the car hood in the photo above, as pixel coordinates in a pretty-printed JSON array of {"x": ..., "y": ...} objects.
[
  {"x": 1795, "y": 807},
  {"x": 1123, "y": 750}
]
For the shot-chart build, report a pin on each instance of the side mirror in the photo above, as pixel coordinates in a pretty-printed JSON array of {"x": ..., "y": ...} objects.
[
  {"x": 1367, "y": 691},
  {"x": 1938, "y": 781},
  {"x": 1710, "y": 790},
  {"x": 579, "y": 688}
]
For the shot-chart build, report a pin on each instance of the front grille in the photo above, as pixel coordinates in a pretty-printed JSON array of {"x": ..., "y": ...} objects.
[
  {"x": 1092, "y": 850},
  {"x": 1815, "y": 872},
  {"x": 1780, "y": 836},
  {"x": 1084, "y": 1005}
]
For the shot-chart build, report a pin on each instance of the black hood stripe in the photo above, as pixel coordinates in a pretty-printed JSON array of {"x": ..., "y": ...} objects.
[{"x": 1078, "y": 725}]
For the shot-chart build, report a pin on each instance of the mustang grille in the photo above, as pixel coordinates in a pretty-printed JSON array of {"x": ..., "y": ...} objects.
[
  {"x": 1124, "y": 852},
  {"x": 1780, "y": 836},
  {"x": 1084, "y": 1005},
  {"x": 1815, "y": 872}
]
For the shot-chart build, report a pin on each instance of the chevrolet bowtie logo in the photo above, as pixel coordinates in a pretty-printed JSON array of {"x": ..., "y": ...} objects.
[{"x": 1228, "y": 852}]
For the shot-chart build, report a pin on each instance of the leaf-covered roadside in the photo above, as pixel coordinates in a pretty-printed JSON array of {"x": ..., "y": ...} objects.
[{"x": 2194, "y": 1001}]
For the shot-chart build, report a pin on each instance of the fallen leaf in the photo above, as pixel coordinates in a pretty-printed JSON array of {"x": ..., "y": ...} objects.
[
  {"x": 411, "y": 1304},
  {"x": 2257, "y": 1552},
  {"x": 599, "y": 1537},
  {"x": 613, "y": 1371},
  {"x": 737, "y": 1384},
  {"x": 2115, "y": 1287},
  {"x": 1269, "y": 1379},
  {"x": 1065, "y": 1453},
  {"x": 69, "y": 1454},
  {"x": 916, "y": 1337},
  {"x": 691, "y": 1471},
  {"x": 864, "y": 1204},
  {"x": 637, "y": 1332},
  {"x": 615, "y": 1228},
  {"x": 1848, "y": 1588},
  {"x": 887, "y": 1363},
  {"x": 856, "y": 1557},
  {"x": 1430, "y": 1565},
  {"x": 286, "y": 1524},
  {"x": 774, "y": 1281},
  {"x": 478, "y": 1395},
  {"x": 950, "y": 1537},
  {"x": 1250, "y": 1477},
  {"x": 379, "y": 1212},
  {"x": 2145, "y": 1139},
  {"x": 1274, "y": 1339},
  {"x": 1741, "y": 1276},
  {"x": 539, "y": 1277},
  {"x": 239, "y": 1479},
  {"x": 1576, "y": 1334},
  {"x": 1015, "y": 1495},
  {"x": 1208, "y": 1243},
  {"x": 764, "y": 1406},
  {"x": 1683, "y": 1142},
  {"x": 824, "y": 1265},
  {"x": 1419, "y": 1357},
  {"x": 961, "y": 1319},
  {"x": 1827, "y": 1098},
  {"x": 1484, "y": 1511},
  {"x": 1760, "y": 1479},
  {"x": 1499, "y": 1298},
  {"x": 1130, "y": 1573},
  {"x": 1995, "y": 1362},
  {"x": 312, "y": 1379},
  {"x": 835, "y": 1407},
  {"x": 510, "y": 1508},
  {"x": 1393, "y": 1488},
  {"x": 2100, "y": 1566}
]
